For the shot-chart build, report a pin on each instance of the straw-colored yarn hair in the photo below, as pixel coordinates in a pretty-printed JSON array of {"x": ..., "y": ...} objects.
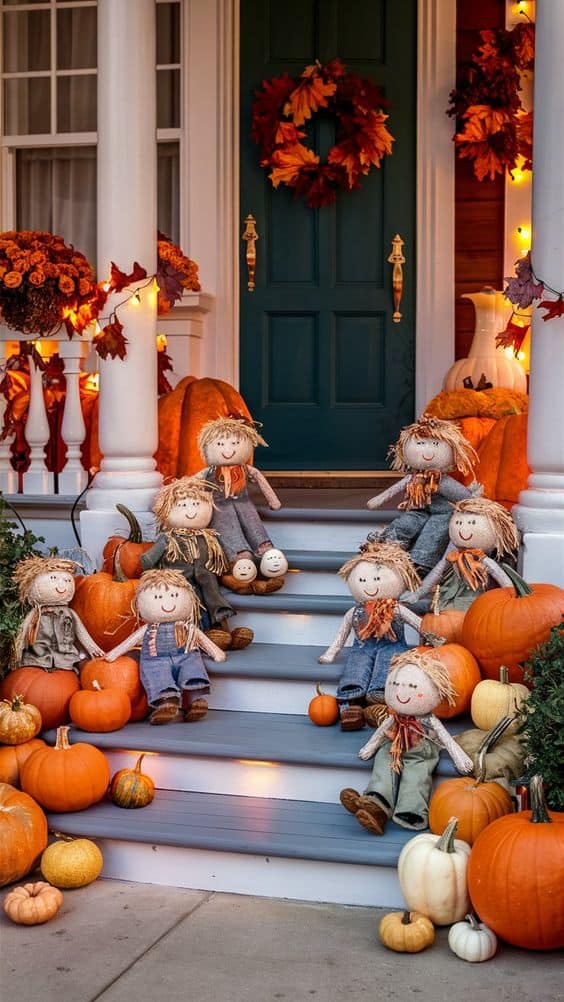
[
  {"x": 29, "y": 569},
  {"x": 165, "y": 578},
  {"x": 465, "y": 456},
  {"x": 433, "y": 667},
  {"x": 171, "y": 494},
  {"x": 501, "y": 522},
  {"x": 228, "y": 426},
  {"x": 389, "y": 555}
]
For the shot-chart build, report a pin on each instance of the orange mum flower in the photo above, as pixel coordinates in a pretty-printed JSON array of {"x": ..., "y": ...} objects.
[
  {"x": 84, "y": 286},
  {"x": 37, "y": 277},
  {"x": 66, "y": 285},
  {"x": 13, "y": 279},
  {"x": 37, "y": 257}
]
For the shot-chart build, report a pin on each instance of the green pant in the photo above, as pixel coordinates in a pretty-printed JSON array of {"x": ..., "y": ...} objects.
[{"x": 405, "y": 795}]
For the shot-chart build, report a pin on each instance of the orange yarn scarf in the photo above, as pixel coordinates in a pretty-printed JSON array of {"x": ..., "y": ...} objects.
[
  {"x": 232, "y": 478},
  {"x": 404, "y": 733},
  {"x": 420, "y": 489},
  {"x": 380, "y": 614},
  {"x": 468, "y": 565}
]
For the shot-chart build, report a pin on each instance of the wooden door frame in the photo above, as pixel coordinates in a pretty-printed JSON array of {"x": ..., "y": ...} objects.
[{"x": 212, "y": 69}]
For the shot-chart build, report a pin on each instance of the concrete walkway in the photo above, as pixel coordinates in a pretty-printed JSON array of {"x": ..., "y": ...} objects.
[{"x": 121, "y": 942}]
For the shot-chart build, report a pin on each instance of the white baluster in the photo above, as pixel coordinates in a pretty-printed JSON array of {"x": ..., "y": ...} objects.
[
  {"x": 8, "y": 476},
  {"x": 37, "y": 480},
  {"x": 72, "y": 478}
]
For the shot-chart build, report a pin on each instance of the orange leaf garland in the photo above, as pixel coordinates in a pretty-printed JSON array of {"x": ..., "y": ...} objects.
[
  {"x": 309, "y": 96},
  {"x": 289, "y": 162}
]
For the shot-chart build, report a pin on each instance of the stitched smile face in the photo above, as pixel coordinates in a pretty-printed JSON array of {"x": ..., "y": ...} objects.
[
  {"x": 52, "y": 588},
  {"x": 428, "y": 454},
  {"x": 190, "y": 513},
  {"x": 228, "y": 450},
  {"x": 409, "y": 691},
  {"x": 368, "y": 581},
  {"x": 164, "y": 605},
  {"x": 468, "y": 531}
]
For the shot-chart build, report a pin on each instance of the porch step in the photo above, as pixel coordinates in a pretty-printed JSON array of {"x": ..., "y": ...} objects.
[
  {"x": 341, "y": 528},
  {"x": 296, "y": 849},
  {"x": 285, "y": 618}
]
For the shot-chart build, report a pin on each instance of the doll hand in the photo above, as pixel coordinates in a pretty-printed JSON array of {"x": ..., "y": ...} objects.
[
  {"x": 410, "y": 597},
  {"x": 366, "y": 752},
  {"x": 465, "y": 764},
  {"x": 220, "y": 656},
  {"x": 326, "y": 659},
  {"x": 109, "y": 656},
  {"x": 374, "y": 502},
  {"x": 275, "y": 504},
  {"x": 476, "y": 489},
  {"x": 96, "y": 652}
]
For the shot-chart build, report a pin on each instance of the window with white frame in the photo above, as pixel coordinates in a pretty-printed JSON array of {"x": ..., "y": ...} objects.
[{"x": 48, "y": 109}]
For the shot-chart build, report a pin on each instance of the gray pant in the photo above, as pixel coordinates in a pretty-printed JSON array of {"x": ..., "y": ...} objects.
[
  {"x": 405, "y": 796},
  {"x": 239, "y": 525}
]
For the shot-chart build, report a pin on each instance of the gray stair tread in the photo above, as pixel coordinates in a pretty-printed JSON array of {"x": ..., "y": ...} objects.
[
  {"x": 362, "y": 515},
  {"x": 284, "y": 828},
  {"x": 237, "y": 734},
  {"x": 281, "y": 601},
  {"x": 317, "y": 560},
  {"x": 280, "y": 662}
]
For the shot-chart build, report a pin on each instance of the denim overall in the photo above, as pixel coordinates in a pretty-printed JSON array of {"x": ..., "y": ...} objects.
[
  {"x": 166, "y": 669},
  {"x": 368, "y": 662}
]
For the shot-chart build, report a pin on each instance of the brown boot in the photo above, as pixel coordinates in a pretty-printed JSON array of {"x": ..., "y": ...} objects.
[
  {"x": 221, "y": 638},
  {"x": 194, "y": 705},
  {"x": 352, "y": 718},
  {"x": 376, "y": 714},
  {"x": 164, "y": 712},
  {"x": 353, "y": 801},
  {"x": 241, "y": 637},
  {"x": 266, "y": 586},
  {"x": 372, "y": 817}
]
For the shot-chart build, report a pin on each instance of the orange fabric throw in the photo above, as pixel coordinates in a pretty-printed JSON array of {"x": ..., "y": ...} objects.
[
  {"x": 468, "y": 565},
  {"x": 380, "y": 614},
  {"x": 404, "y": 733},
  {"x": 232, "y": 478},
  {"x": 420, "y": 489}
]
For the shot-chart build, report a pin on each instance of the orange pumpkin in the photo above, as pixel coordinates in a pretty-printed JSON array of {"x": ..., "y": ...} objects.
[
  {"x": 503, "y": 625},
  {"x": 447, "y": 624},
  {"x": 66, "y": 777},
  {"x": 19, "y": 721},
  {"x": 516, "y": 876},
  {"x": 464, "y": 674},
  {"x": 323, "y": 709},
  {"x": 123, "y": 673},
  {"x": 12, "y": 757},
  {"x": 103, "y": 603},
  {"x": 502, "y": 466},
  {"x": 128, "y": 550},
  {"x": 474, "y": 803},
  {"x": 100, "y": 710},
  {"x": 494, "y": 403},
  {"x": 23, "y": 833},
  {"x": 49, "y": 691}
]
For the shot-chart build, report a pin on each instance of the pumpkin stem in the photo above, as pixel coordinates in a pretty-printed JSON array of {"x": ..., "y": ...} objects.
[
  {"x": 472, "y": 921},
  {"x": 318, "y": 689},
  {"x": 435, "y": 601},
  {"x": 135, "y": 534},
  {"x": 504, "y": 675},
  {"x": 406, "y": 918},
  {"x": 17, "y": 702},
  {"x": 96, "y": 685},
  {"x": 539, "y": 806},
  {"x": 65, "y": 838},
  {"x": 520, "y": 586},
  {"x": 491, "y": 738},
  {"x": 446, "y": 841},
  {"x": 62, "y": 742},
  {"x": 118, "y": 574},
  {"x": 138, "y": 763}
]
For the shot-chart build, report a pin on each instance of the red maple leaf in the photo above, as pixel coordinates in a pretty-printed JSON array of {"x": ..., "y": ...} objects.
[
  {"x": 119, "y": 280},
  {"x": 554, "y": 308},
  {"x": 110, "y": 341}
]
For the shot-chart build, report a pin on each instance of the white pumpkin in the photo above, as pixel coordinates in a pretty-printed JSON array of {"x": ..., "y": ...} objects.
[
  {"x": 485, "y": 357},
  {"x": 472, "y": 941},
  {"x": 432, "y": 875},
  {"x": 492, "y": 700}
]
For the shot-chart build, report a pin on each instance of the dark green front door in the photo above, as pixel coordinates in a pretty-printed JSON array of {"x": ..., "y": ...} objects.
[{"x": 323, "y": 367}]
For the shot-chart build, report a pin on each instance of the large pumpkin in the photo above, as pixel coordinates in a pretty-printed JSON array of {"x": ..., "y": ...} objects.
[
  {"x": 49, "y": 691},
  {"x": 516, "y": 876},
  {"x": 432, "y": 875},
  {"x": 66, "y": 777},
  {"x": 503, "y": 625},
  {"x": 464, "y": 675},
  {"x": 502, "y": 466},
  {"x": 100, "y": 710},
  {"x": 23, "y": 833},
  {"x": 474, "y": 803},
  {"x": 127, "y": 549},
  {"x": 103, "y": 602},
  {"x": 123, "y": 673},
  {"x": 12, "y": 757}
]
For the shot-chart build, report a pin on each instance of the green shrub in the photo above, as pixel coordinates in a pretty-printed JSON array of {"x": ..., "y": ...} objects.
[{"x": 543, "y": 716}]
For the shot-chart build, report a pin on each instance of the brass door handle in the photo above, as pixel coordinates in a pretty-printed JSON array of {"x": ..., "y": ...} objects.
[
  {"x": 397, "y": 260},
  {"x": 250, "y": 236}
]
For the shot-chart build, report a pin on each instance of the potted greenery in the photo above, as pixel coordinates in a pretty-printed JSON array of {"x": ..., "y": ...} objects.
[
  {"x": 543, "y": 716},
  {"x": 15, "y": 544}
]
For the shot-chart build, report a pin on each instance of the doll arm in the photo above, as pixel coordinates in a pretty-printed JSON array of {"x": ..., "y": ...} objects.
[
  {"x": 452, "y": 490},
  {"x": 271, "y": 498},
  {"x": 430, "y": 581},
  {"x": 497, "y": 573},
  {"x": 462, "y": 761},
  {"x": 22, "y": 636},
  {"x": 84, "y": 638},
  {"x": 202, "y": 474},
  {"x": 410, "y": 617},
  {"x": 388, "y": 494},
  {"x": 133, "y": 640},
  {"x": 376, "y": 741},
  {"x": 208, "y": 646},
  {"x": 340, "y": 640},
  {"x": 151, "y": 558}
]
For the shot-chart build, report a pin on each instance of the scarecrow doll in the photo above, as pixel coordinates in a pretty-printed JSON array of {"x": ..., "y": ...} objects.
[
  {"x": 427, "y": 452},
  {"x": 477, "y": 528},
  {"x": 376, "y": 578},
  {"x": 407, "y": 746},
  {"x": 185, "y": 542},
  {"x": 226, "y": 444},
  {"x": 171, "y": 667},
  {"x": 51, "y": 634}
]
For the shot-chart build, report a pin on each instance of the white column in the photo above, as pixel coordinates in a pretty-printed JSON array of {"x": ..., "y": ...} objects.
[
  {"x": 72, "y": 479},
  {"x": 540, "y": 512},
  {"x": 127, "y": 232},
  {"x": 37, "y": 479}
]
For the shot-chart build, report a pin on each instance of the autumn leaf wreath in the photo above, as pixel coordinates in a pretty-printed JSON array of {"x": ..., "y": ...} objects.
[{"x": 284, "y": 104}]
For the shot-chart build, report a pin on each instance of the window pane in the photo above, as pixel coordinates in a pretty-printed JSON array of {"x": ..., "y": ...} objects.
[
  {"x": 27, "y": 107},
  {"x": 76, "y": 104},
  {"x": 56, "y": 192},
  {"x": 76, "y": 39},
  {"x": 26, "y": 41},
  {"x": 168, "y": 181},
  {"x": 168, "y": 33},
  {"x": 168, "y": 99}
]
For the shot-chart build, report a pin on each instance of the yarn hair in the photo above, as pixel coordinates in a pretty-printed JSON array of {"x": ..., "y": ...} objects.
[
  {"x": 464, "y": 454},
  {"x": 29, "y": 569},
  {"x": 228, "y": 426},
  {"x": 432, "y": 666},
  {"x": 171, "y": 494},
  {"x": 501, "y": 522},
  {"x": 390, "y": 555}
]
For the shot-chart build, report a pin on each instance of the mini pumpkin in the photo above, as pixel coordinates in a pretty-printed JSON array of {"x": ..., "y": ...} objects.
[
  {"x": 100, "y": 710},
  {"x": 131, "y": 787},
  {"x": 19, "y": 721},
  {"x": 472, "y": 941},
  {"x": 12, "y": 757},
  {"x": 33, "y": 904},
  {"x": 49, "y": 691},
  {"x": 447, "y": 624},
  {"x": 406, "y": 932},
  {"x": 66, "y": 777},
  {"x": 475, "y": 804},
  {"x": 492, "y": 700},
  {"x": 71, "y": 862},
  {"x": 123, "y": 673},
  {"x": 432, "y": 875},
  {"x": 23, "y": 834},
  {"x": 323, "y": 709}
]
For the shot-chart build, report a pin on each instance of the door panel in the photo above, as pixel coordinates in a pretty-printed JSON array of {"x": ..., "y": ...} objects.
[{"x": 323, "y": 366}]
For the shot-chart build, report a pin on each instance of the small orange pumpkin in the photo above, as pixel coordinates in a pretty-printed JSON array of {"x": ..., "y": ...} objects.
[
  {"x": 323, "y": 709},
  {"x": 103, "y": 602},
  {"x": 66, "y": 777},
  {"x": 129, "y": 549},
  {"x": 100, "y": 710},
  {"x": 33, "y": 904},
  {"x": 131, "y": 787},
  {"x": 447, "y": 624},
  {"x": 49, "y": 691},
  {"x": 123, "y": 673},
  {"x": 474, "y": 803},
  {"x": 12, "y": 757},
  {"x": 19, "y": 721},
  {"x": 23, "y": 833}
]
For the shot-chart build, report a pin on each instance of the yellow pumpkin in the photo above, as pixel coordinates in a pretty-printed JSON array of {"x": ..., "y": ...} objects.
[
  {"x": 72, "y": 862},
  {"x": 492, "y": 700},
  {"x": 406, "y": 932},
  {"x": 19, "y": 721},
  {"x": 33, "y": 904}
]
